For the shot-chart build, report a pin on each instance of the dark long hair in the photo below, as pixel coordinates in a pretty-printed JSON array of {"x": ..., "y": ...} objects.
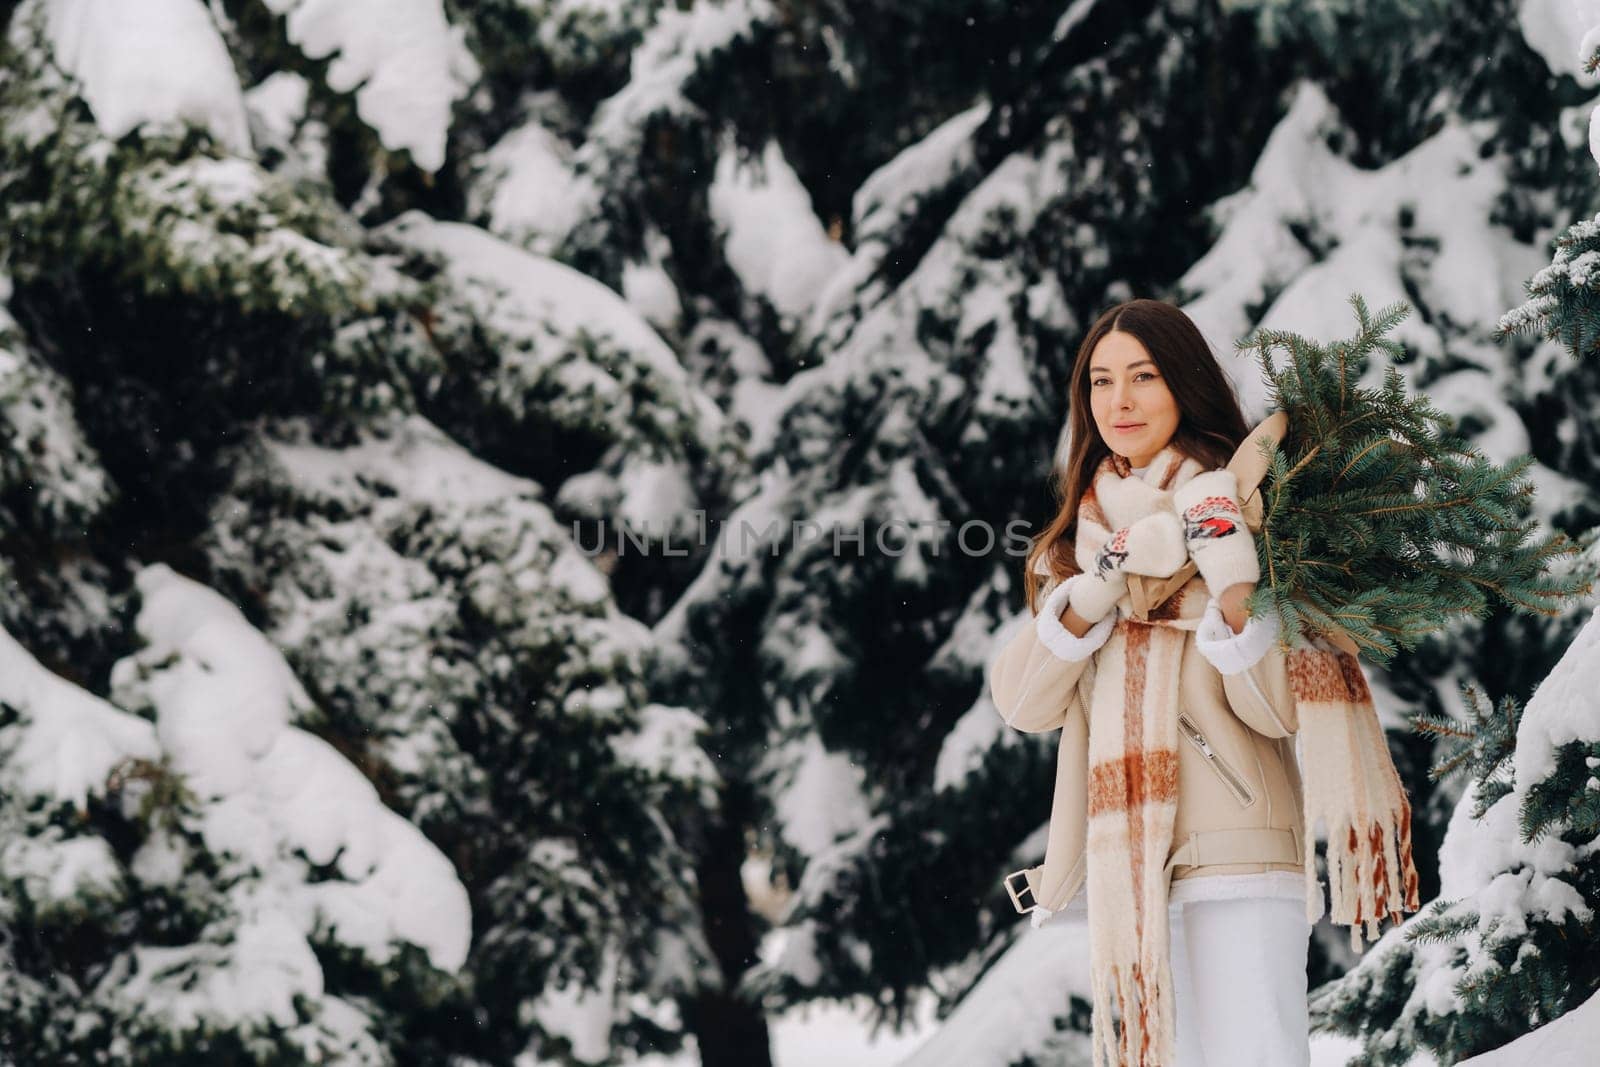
[{"x": 1210, "y": 423}]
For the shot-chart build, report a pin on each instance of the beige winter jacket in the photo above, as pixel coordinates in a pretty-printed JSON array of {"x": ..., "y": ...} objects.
[{"x": 1239, "y": 794}]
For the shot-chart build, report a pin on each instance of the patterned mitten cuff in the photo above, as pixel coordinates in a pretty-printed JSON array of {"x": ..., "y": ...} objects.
[
  {"x": 1095, "y": 592},
  {"x": 1213, "y": 527}
]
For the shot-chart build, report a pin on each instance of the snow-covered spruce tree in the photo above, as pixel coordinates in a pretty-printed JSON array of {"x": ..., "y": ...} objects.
[
  {"x": 53, "y": 491},
  {"x": 205, "y": 306},
  {"x": 187, "y": 877},
  {"x": 1555, "y": 331},
  {"x": 127, "y": 233},
  {"x": 474, "y": 661},
  {"x": 367, "y": 95},
  {"x": 1563, "y": 305},
  {"x": 1508, "y": 946},
  {"x": 1563, "y": 309}
]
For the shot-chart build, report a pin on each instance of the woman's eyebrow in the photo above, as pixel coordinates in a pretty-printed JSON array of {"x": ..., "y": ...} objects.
[{"x": 1138, "y": 363}]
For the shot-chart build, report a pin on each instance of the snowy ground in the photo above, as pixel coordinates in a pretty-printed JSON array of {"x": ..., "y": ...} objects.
[
  {"x": 1331, "y": 1050},
  {"x": 838, "y": 1036},
  {"x": 832, "y": 1035},
  {"x": 1569, "y": 1041},
  {"x": 835, "y": 1035},
  {"x": 1012, "y": 1013},
  {"x": 1573, "y": 1038},
  {"x": 829, "y": 1035}
]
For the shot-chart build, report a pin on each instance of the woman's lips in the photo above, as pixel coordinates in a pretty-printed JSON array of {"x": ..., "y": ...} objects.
[{"x": 1124, "y": 427}]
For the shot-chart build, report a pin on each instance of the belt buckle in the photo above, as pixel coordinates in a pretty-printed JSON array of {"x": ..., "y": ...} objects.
[{"x": 1016, "y": 895}]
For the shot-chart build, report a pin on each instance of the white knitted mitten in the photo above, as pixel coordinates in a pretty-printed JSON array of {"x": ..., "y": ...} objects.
[
  {"x": 1213, "y": 528},
  {"x": 1151, "y": 546}
]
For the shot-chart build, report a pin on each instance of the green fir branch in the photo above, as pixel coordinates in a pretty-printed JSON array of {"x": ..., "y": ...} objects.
[{"x": 1380, "y": 520}]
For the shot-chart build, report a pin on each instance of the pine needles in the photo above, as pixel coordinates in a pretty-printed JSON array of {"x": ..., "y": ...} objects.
[
  {"x": 1480, "y": 743},
  {"x": 1381, "y": 521},
  {"x": 1563, "y": 302}
]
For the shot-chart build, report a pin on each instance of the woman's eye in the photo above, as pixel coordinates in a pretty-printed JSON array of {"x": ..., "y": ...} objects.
[{"x": 1144, "y": 374}]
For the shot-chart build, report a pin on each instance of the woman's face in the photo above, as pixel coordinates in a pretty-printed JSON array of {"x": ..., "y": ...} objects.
[{"x": 1134, "y": 410}]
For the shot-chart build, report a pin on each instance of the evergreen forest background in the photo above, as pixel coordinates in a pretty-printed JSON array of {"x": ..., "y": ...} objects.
[{"x": 341, "y": 341}]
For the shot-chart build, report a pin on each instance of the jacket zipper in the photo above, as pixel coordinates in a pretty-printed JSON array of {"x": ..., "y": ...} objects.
[{"x": 1229, "y": 776}]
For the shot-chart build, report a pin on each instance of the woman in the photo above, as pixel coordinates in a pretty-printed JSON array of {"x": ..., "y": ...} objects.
[{"x": 1176, "y": 826}]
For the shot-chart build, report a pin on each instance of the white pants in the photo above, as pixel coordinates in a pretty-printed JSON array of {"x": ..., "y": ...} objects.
[{"x": 1239, "y": 979}]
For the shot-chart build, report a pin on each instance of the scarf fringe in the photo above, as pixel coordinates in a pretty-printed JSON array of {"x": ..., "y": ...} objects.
[
  {"x": 1145, "y": 1035},
  {"x": 1371, "y": 875},
  {"x": 1352, "y": 787}
]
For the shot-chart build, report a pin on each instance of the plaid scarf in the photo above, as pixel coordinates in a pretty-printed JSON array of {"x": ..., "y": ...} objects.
[{"x": 1349, "y": 781}]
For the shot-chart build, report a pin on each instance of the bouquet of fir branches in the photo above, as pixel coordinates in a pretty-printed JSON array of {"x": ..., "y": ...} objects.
[{"x": 1380, "y": 522}]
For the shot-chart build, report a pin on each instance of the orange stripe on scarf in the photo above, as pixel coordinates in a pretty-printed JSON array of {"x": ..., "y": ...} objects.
[
  {"x": 1119, "y": 785},
  {"x": 1316, "y": 674}
]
